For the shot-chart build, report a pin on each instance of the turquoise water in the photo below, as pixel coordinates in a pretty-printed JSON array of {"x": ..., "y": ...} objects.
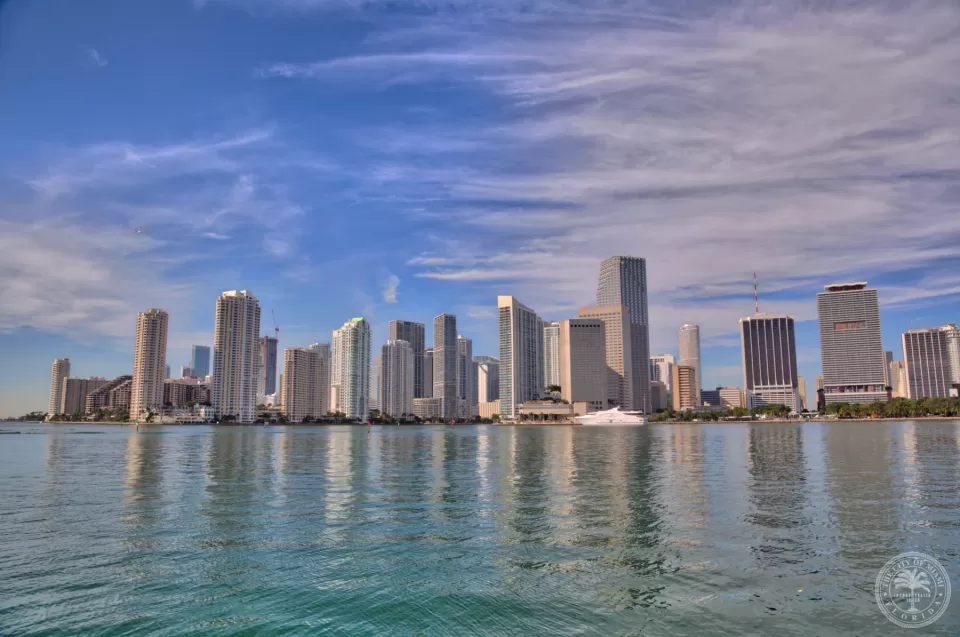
[{"x": 770, "y": 529}]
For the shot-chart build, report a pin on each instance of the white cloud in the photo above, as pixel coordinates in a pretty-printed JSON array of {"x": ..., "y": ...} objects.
[
  {"x": 96, "y": 58},
  {"x": 389, "y": 288}
]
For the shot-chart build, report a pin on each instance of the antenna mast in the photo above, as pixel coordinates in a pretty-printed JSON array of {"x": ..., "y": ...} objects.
[
  {"x": 756, "y": 297},
  {"x": 276, "y": 327}
]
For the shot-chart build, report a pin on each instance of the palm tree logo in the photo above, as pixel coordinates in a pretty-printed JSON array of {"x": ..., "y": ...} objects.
[{"x": 914, "y": 580}]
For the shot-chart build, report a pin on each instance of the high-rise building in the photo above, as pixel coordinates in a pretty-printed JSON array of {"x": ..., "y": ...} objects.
[
  {"x": 428, "y": 373},
  {"x": 661, "y": 368},
  {"x": 898, "y": 379},
  {"x": 583, "y": 362},
  {"x": 323, "y": 388},
  {"x": 59, "y": 371},
  {"x": 185, "y": 372},
  {"x": 149, "y": 363},
  {"x": 850, "y": 345},
  {"x": 953, "y": 351},
  {"x": 200, "y": 360},
  {"x": 819, "y": 382},
  {"x": 427, "y": 409},
  {"x": 623, "y": 281},
  {"x": 730, "y": 397},
  {"x": 488, "y": 379},
  {"x": 302, "y": 386},
  {"x": 397, "y": 378},
  {"x": 802, "y": 388},
  {"x": 686, "y": 394},
  {"x": 236, "y": 353},
  {"x": 658, "y": 396},
  {"x": 620, "y": 367},
  {"x": 551, "y": 354},
  {"x": 75, "y": 392},
  {"x": 445, "y": 364},
  {"x": 179, "y": 392},
  {"x": 267, "y": 372},
  {"x": 710, "y": 397},
  {"x": 521, "y": 355},
  {"x": 350, "y": 377},
  {"x": 414, "y": 333},
  {"x": 887, "y": 359},
  {"x": 926, "y": 359},
  {"x": 690, "y": 352},
  {"x": 466, "y": 379},
  {"x": 166, "y": 371},
  {"x": 115, "y": 394},
  {"x": 375, "y": 370},
  {"x": 769, "y": 350}
]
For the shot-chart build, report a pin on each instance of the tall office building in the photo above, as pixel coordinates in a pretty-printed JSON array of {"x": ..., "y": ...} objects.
[
  {"x": 236, "y": 353},
  {"x": 428, "y": 373},
  {"x": 200, "y": 360},
  {"x": 302, "y": 386},
  {"x": 551, "y": 354},
  {"x": 166, "y": 371},
  {"x": 619, "y": 353},
  {"x": 466, "y": 379},
  {"x": 898, "y": 379},
  {"x": 926, "y": 359},
  {"x": 850, "y": 345},
  {"x": 690, "y": 353},
  {"x": 445, "y": 364},
  {"x": 623, "y": 281},
  {"x": 375, "y": 370},
  {"x": 952, "y": 333},
  {"x": 267, "y": 374},
  {"x": 59, "y": 371},
  {"x": 185, "y": 372},
  {"x": 75, "y": 391},
  {"x": 397, "y": 378},
  {"x": 802, "y": 388},
  {"x": 149, "y": 363},
  {"x": 686, "y": 393},
  {"x": 521, "y": 355},
  {"x": 413, "y": 333},
  {"x": 488, "y": 378},
  {"x": 350, "y": 375},
  {"x": 769, "y": 351},
  {"x": 661, "y": 369},
  {"x": 323, "y": 382},
  {"x": 583, "y": 362},
  {"x": 887, "y": 359}
]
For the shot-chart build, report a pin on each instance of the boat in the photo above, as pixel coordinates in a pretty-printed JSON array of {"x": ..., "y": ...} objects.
[{"x": 612, "y": 417}]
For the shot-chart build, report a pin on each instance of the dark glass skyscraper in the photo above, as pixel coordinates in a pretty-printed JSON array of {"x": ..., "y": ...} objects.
[
  {"x": 200, "y": 360},
  {"x": 413, "y": 333}
]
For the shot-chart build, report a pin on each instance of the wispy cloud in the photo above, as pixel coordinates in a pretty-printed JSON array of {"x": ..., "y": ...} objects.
[
  {"x": 95, "y": 57},
  {"x": 389, "y": 288}
]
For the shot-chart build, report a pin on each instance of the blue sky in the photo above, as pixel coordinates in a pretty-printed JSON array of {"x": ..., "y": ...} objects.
[{"x": 402, "y": 159}]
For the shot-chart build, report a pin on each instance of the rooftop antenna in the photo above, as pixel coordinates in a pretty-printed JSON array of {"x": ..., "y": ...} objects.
[
  {"x": 756, "y": 297},
  {"x": 276, "y": 327}
]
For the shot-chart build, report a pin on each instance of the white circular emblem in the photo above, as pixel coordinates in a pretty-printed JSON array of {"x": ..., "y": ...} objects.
[{"x": 913, "y": 590}]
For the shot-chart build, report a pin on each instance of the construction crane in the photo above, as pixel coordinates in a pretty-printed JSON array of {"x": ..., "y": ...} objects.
[{"x": 276, "y": 327}]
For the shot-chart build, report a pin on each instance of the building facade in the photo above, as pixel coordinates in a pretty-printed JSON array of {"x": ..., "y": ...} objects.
[
  {"x": 488, "y": 379},
  {"x": 149, "y": 363},
  {"x": 731, "y": 397},
  {"x": 427, "y": 409},
  {"x": 769, "y": 353},
  {"x": 75, "y": 391},
  {"x": 58, "y": 371},
  {"x": 618, "y": 353},
  {"x": 350, "y": 376},
  {"x": 302, "y": 385},
  {"x": 375, "y": 370},
  {"x": 323, "y": 351},
  {"x": 851, "y": 349},
  {"x": 583, "y": 362},
  {"x": 661, "y": 368},
  {"x": 690, "y": 352},
  {"x": 466, "y": 379},
  {"x": 115, "y": 394},
  {"x": 686, "y": 393},
  {"x": 521, "y": 355},
  {"x": 952, "y": 333},
  {"x": 926, "y": 359},
  {"x": 428, "y": 373},
  {"x": 267, "y": 374},
  {"x": 236, "y": 353},
  {"x": 179, "y": 392},
  {"x": 414, "y": 333},
  {"x": 445, "y": 364},
  {"x": 898, "y": 379},
  {"x": 397, "y": 378},
  {"x": 623, "y": 281},
  {"x": 551, "y": 354},
  {"x": 200, "y": 360},
  {"x": 658, "y": 395}
]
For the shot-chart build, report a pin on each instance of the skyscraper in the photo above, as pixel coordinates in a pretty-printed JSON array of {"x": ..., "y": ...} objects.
[
  {"x": 375, "y": 370},
  {"x": 413, "y": 333},
  {"x": 445, "y": 364},
  {"x": 428, "y": 373},
  {"x": 850, "y": 345},
  {"x": 323, "y": 381},
  {"x": 583, "y": 362},
  {"x": 619, "y": 353},
  {"x": 466, "y": 379},
  {"x": 802, "y": 388},
  {"x": 200, "y": 360},
  {"x": 236, "y": 352},
  {"x": 521, "y": 355},
  {"x": 75, "y": 392},
  {"x": 898, "y": 379},
  {"x": 926, "y": 359},
  {"x": 887, "y": 359},
  {"x": 690, "y": 353},
  {"x": 350, "y": 378},
  {"x": 488, "y": 379},
  {"x": 302, "y": 386},
  {"x": 953, "y": 351},
  {"x": 149, "y": 363},
  {"x": 661, "y": 369},
  {"x": 769, "y": 351},
  {"x": 59, "y": 371},
  {"x": 623, "y": 281},
  {"x": 397, "y": 376},
  {"x": 686, "y": 394},
  {"x": 267, "y": 374},
  {"x": 551, "y": 354}
]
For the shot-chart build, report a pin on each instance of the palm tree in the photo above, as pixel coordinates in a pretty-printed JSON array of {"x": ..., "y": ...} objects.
[{"x": 914, "y": 579}]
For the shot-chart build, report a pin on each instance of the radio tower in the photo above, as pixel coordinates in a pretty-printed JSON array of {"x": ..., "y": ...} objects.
[{"x": 756, "y": 298}]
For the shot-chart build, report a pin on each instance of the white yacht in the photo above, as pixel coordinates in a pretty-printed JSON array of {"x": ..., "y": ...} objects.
[{"x": 613, "y": 417}]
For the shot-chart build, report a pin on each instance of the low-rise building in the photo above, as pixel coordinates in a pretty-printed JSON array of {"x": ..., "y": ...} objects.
[
  {"x": 489, "y": 409},
  {"x": 427, "y": 408},
  {"x": 114, "y": 395}
]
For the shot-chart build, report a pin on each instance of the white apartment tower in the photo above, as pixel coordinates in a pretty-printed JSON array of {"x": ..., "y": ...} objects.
[
  {"x": 851, "y": 349},
  {"x": 466, "y": 379},
  {"x": 623, "y": 281},
  {"x": 521, "y": 355},
  {"x": 583, "y": 362},
  {"x": 323, "y": 351},
  {"x": 413, "y": 333},
  {"x": 926, "y": 361},
  {"x": 488, "y": 379},
  {"x": 350, "y": 377},
  {"x": 59, "y": 371},
  {"x": 769, "y": 351},
  {"x": 445, "y": 364},
  {"x": 149, "y": 363},
  {"x": 236, "y": 356},
  {"x": 619, "y": 353},
  {"x": 690, "y": 355},
  {"x": 661, "y": 369},
  {"x": 302, "y": 384},
  {"x": 397, "y": 378},
  {"x": 551, "y": 354},
  {"x": 952, "y": 333}
]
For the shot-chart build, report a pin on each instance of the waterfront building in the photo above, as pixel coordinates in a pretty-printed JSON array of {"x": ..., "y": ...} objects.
[
  {"x": 350, "y": 368},
  {"x": 898, "y": 379},
  {"x": 75, "y": 391},
  {"x": 710, "y": 397},
  {"x": 851, "y": 349},
  {"x": 200, "y": 360},
  {"x": 185, "y": 372},
  {"x": 926, "y": 359},
  {"x": 267, "y": 373},
  {"x": 769, "y": 350},
  {"x": 802, "y": 389},
  {"x": 488, "y": 378},
  {"x": 178, "y": 392},
  {"x": 323, "y": 351},
  {"x": 661, "y": 368},
  {"x": 521, "y": 355},
  {"x": 428, "y": 373},
  {"x": 303, "y": 390},
  {"x": 397, "y": 378},
  {"x": 445, "y": 364},
  {"x": 887, "y": 359},
  {"x": 427, "y": 409},
  {"x": 466, "y": 379},
  {"x": 731, "y": 397},
  {"x": 236, "y": 352},
  {"x": 690, "y": 353},
  {"x": 582, "y": 362},
  {"x": 952, "y": 333},
  {"x": 149, "y": 363},
  {"x": 686, "y": 394},
  {"x": 658, "y": 396},
  {"x": 58, "y": 371},
  {"x": 618, "y": 353},
  {"x": 487, "y": 410},
  {"x": 551, "y": 354},
  {"x": 623, "y": 281},
  {"x": 375, "y": 371},
  {"x": 414, "y": 333},
  {"x": 115, "y": 394}
]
